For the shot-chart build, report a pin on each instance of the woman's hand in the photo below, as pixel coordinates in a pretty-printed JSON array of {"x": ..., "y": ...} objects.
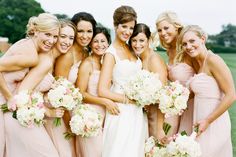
[
  {"x": 202, "y": 125},
  {"x": 54, "y": 112},
  {"x": 111, "y": 107}
]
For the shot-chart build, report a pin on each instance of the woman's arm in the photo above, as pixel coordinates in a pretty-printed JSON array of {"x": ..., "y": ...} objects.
[
  {"x": 106, "y": 79},
  {"x": 84, "y": 73},
  {"x": 4, "y": 88},
  {"x": 157, "y": 65},
  {"x": 223, "y": 76},
  {"x": 36, "y": 74},
  {"x": 22, "y": 56},
  {"x": 63, "y": 65}
]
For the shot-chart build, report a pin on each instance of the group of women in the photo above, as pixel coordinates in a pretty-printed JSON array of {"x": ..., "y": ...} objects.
[{"x": 83, "y": 53}]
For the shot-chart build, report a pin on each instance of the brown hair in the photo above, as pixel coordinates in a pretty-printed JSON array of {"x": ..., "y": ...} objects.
[{"x": 124, "y": 14}]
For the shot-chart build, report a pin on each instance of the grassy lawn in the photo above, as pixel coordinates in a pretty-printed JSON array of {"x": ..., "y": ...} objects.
[{"x": 230, "y": 61}]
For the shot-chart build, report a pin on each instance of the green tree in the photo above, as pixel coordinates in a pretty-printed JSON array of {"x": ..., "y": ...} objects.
[
  {"x": 14, "y": 16},
  {"x": 62, "y": 16},
  {"x": 227, "y": 37}
]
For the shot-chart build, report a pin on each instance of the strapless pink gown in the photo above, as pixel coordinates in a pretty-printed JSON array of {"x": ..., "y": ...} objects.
[
  {"x": 216, "y": 140},
  {"x": 63, "y": 146},
  {"x": 92, "y": 146},
  {"x": 27, "y": 142},
  {"x": 12, "y": 79},
  {"x": 181, "y": 72},
  {"x": 74, "y": 72}
]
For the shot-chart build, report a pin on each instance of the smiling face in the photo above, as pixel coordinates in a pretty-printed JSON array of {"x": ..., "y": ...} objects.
[
  {"x": 84, "y": 33},
  {"x": 99, "y": 44},
  {"x": 46, "y": 40},
  {"x": 125, "y": 30},
  {"x": 167, "y": 32},
  {"x": 66, "y": 39},
  {"x": 139, "y": 43},
  {"x": 192, "y": 44}
]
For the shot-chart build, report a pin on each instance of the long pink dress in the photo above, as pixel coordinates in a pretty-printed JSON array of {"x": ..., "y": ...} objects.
[
  {"x": 92, "y": 146},
  {"x": 12, "y": 79},
  {"x": 182, "y": 72},
  {"x": 216, "y": 140},
  {"x": 27, "y": 142},
  {"x": 63, "y": 146}
]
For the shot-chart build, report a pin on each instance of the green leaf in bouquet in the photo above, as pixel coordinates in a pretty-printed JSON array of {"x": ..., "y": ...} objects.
[
  {"x": 34, "y": 101},
  {"x": 14, "y": 114},
  {"x": 183, "y": 133},
  {"x": 4, "y": 108},
  {"x": 57, "y": 122},
  {"x": 68, "y": 135},
  {"x": 166, "y": 127},
  {"x": 196, "y": 129}
]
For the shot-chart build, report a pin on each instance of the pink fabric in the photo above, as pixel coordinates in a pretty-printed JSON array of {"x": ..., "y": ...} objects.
[
  {"x": 64, "y": 147},
  {"x": 12, "y": 78},
  {"x": 21, "y": 141},
  {"x": 216, "y": 140},
  {"x": 46, "y": 83},
  {"x": 181, "y": 72},
  {"x": 74, "y": 72},
  {"x": 92, "y": 146}
]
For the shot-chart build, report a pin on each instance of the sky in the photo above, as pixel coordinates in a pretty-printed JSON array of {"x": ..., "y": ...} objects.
[{"x": 208, "y": 14}]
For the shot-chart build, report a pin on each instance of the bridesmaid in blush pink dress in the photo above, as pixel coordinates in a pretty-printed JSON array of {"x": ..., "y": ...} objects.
[
  {"x": 168, "y": 27},
  {"x": 11, "y": 81},
  {"x": 67, "y": 64},
  {"x": 151, "y": 62},
  {"x": 88, "y": 78},
  {"x": 182, "y": 72},
  {"x": 64, "y": 147},
  {"x": 22, "y": 55},
  {"x": 214, "y": 92}
]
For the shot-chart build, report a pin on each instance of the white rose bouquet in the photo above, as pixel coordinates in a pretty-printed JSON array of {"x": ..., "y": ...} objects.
[
  {"x": 184, "y": 146},
  {"x": 28, "y": 108},
  {"x": 86, "y": 122},
  {"x": 64, "y": 94},
  {"x": 173, "y": 99},
  {"x": 144, "y": 88},
  {"x": 153, "y": 148}
]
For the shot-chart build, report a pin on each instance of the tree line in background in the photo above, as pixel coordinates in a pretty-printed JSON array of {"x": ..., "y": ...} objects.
[{"x": 14, "y": 15}]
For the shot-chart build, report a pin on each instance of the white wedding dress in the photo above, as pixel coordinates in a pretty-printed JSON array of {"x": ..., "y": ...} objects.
[{"x": 124, "y": 134}]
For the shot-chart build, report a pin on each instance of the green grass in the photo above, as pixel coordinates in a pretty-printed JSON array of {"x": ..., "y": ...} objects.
[{"x": 230, "y": 61}]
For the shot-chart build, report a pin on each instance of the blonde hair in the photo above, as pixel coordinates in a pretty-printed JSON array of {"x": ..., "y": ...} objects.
[
  {"x": 190, "y": 28},
  {"x": 43, "y": 22},
  {"x": 65, "y": 23},
  {"x": 172, "y": 18}
]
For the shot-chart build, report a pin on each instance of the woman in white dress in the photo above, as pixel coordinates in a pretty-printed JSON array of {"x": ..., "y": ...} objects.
[{"x": 126, "y": 128}]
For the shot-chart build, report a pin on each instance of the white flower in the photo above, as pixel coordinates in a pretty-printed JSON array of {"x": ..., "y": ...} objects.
[
  {"x": 173, "y": 99},
  {"x": 143, "y": 87},
  {"x": 64, "y": 94},
  {"x": 184, "y": 146},
  {"x": 86, "y": 122}
]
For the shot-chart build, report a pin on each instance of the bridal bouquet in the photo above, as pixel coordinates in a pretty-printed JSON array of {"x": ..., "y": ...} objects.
[
  {"x": 28, "y": 108},
  {"x": 154, "y": 149},
  {"x": 184, "y": 146},
  {"x": 173, "y": 99},
  {"x": 85, "y": 121},
  {"x": 144, "y": 88},
  {"x": 64, "y": 94}
]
